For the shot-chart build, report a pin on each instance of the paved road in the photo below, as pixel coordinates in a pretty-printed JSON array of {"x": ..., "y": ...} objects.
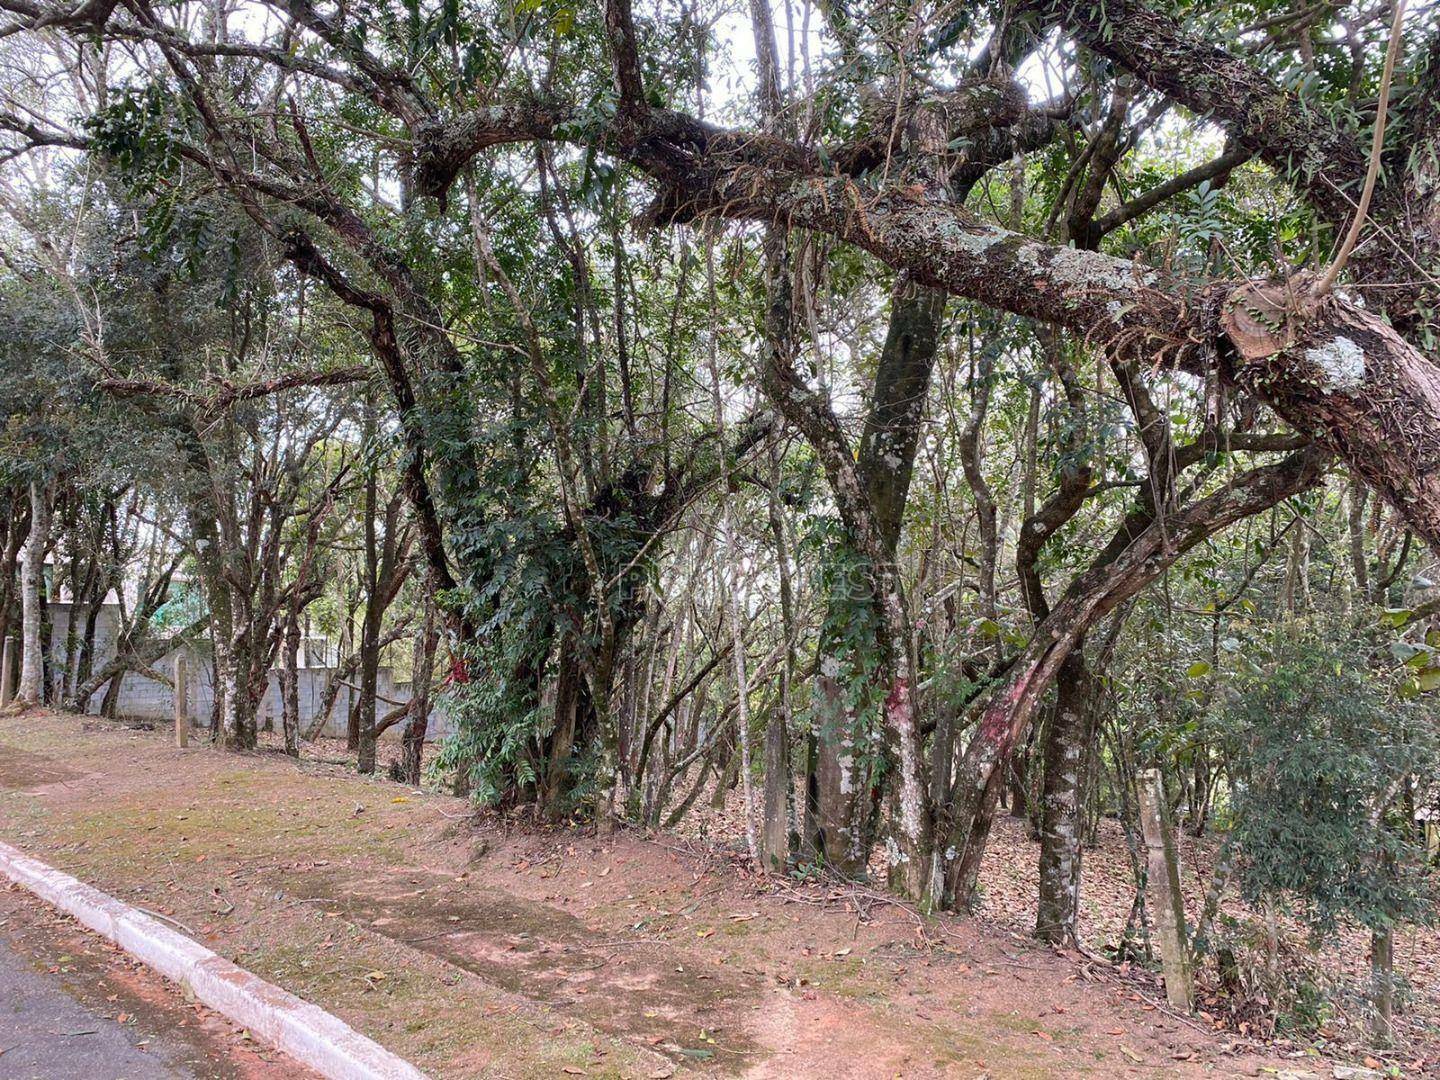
[
  {"x": 73, "y": 1007},
  {"x": 47, "y": 1035}
]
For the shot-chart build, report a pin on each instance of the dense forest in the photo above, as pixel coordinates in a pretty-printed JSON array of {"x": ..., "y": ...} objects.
[{"x": 885, "y": 416}]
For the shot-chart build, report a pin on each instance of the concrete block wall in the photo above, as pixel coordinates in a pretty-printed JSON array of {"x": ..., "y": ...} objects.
[{"x": 145, "y": 698}]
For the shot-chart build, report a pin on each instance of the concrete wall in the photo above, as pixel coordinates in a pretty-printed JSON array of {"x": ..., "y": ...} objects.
[{"x": 145, "y": 698}]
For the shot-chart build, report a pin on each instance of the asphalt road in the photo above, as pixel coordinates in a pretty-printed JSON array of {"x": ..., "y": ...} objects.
[
  {"x": 46, "y": 1034},
  {"x": 73, "y": 1007}
]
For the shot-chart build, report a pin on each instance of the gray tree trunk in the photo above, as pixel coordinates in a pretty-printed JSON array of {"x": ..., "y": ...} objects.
[
  {"x": 290, "y": 683},
  {"x": 32, "y": 572},
  {"x": 779, "y": 788},
  {"x": 417, "y": 718},
  {"x": 1167, "y": 901},
  {"x": 1067, "y": 744},
  {"x": 1382, "y": 986}
]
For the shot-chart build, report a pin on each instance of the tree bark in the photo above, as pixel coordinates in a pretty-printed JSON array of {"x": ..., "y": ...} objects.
[
  {"x": 1072, "y": 729},
  {"x": 1355, "y": 523},
  {"x": 1163, "y": 882},
  {"x": 417, "y": 717},
  {"x": 1382, "y": 986},
  {"x": 290, "y": 682},
  {"x": 32, "y": 584},
  {"x": 238, "y": 728},
  {"x": 361, "y": 735}
]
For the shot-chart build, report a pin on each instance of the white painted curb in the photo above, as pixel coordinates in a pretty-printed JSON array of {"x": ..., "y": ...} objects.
[{"x": 306, "y": 1032}]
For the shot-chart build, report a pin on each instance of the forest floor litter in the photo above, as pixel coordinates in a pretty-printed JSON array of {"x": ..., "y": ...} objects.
[{"x": 477, "y": 947}]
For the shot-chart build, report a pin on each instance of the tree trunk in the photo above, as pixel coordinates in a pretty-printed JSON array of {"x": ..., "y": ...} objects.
[
  {"x": 362, "y": 725},
  {"x": 1355, "y": 498},
  {"x": 555, "y": 779},
  {"x": 48, "y": 674},
  {"x": 110, "y": 703},
  {"x": 290, "y": 683},
  {"x": 841, "y": 793},
  {"x": 839, "y": 827},
  {"x": 1163, "y": 882},
  {"x": 417, "y": 718},
  {"x": 1070, "y": 733},
  {"x": 32, "y": 573},
  {"x": 1382, "y": 986},
  {"x": 779, "y": 787},
  {"x": 362, "y": 719},
  {"x": 85, "y": 662},
  {"x": 238, "y": 706}
]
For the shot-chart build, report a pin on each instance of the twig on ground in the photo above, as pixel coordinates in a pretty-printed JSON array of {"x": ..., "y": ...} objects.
[
  {"x": 165, "y": 918},
  {"x": 1178, "y": 1016}
]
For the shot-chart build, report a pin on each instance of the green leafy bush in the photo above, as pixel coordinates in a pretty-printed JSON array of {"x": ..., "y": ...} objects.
[{"x": 1322, "y": 746}]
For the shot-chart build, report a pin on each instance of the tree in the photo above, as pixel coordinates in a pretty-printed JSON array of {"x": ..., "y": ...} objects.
[
  {"x": 1324, "y": 746},
  {"x": 950, "y": 326}
]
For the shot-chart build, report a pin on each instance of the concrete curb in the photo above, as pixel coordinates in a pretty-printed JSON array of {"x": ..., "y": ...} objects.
[{"x": 306, "y": 1032}]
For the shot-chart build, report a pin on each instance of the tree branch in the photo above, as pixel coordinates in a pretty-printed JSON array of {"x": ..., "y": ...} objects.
[
  {"x": 624, "y": 54},
  {"x": 227, "y": 392},
  {"x": 1290, "y": 135},
  {"x": 1143, "y": 204}
]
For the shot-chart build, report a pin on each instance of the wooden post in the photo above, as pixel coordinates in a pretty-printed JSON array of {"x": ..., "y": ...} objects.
[
  {"x": 1429, "y": 822},
  {"x": 1166, "y": 900},
  {"x": 7, "y": 672},
  {"x": 182, "y": 704},
  {"x": 1382, "y": 987}
]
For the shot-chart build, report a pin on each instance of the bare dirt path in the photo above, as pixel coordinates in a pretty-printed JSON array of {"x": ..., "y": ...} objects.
[{"x": 473, "y": 950}]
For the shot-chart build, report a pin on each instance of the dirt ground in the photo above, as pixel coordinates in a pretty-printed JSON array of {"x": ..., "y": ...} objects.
[
  {"x": 478, "y": 949},
  {"x": 1011, "y": 877}
]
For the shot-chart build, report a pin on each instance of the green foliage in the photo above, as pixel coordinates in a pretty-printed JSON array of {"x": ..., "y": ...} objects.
[
  {"x": 498, "y": 722},
  {"x": 1322, "y": 747},
  {"x": 135, "y": 131}
]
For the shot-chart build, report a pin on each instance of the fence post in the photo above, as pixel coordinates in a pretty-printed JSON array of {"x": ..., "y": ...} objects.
[
  {"x": 182, "y": 704},
  {"x": 1166, "y": 899},
  {"x": 7, "y": 672}
]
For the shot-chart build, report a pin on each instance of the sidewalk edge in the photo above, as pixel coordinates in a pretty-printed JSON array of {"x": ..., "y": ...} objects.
[{"x": 306, "y": 1032}]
